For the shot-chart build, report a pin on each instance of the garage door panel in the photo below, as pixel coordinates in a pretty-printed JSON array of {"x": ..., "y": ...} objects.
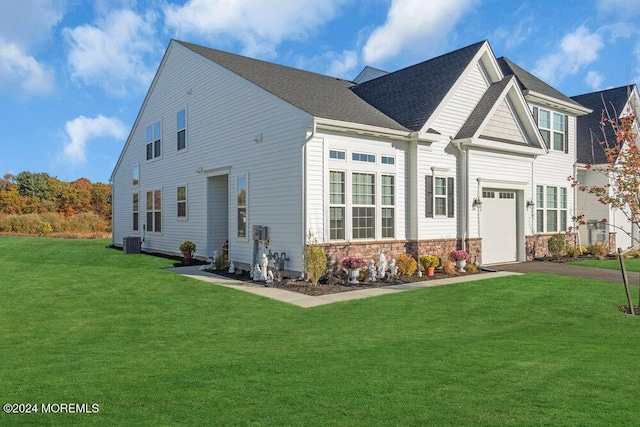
[{"x": 499, "y": 226}]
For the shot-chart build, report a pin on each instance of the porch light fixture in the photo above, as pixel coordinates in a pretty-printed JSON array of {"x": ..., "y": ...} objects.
[
  {"x": 530, "y": 204},
  {"x": 477, "y": 202}
]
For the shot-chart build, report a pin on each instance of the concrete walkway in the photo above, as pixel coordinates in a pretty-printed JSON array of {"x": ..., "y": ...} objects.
[
  {"x": 307, "y": 301},
  {"x": 563, "y": 269}
]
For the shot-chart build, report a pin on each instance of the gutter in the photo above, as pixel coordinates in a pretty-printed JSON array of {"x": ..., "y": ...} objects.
[
  {"x": 464, "y": 191},
  {"x": 303, "y": 149}
]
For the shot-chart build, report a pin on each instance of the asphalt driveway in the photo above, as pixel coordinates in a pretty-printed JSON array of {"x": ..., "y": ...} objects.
[{"x": 568, "y": 270}]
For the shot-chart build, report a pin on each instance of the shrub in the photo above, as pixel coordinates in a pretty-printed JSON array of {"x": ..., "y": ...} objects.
[
  {"x": 45, "y": 229},
  {"x": 407, "y": 265},
  {"x": 448, "y": 268},
  {"x": 471, "y": 268},
  {"x": 315, "y": 261},
  {"x": 573, "y": 251},
  {"x": 429, "y": 261},
  {"x": 557, "y": 245},
  {"x": 598, "y": 250}
]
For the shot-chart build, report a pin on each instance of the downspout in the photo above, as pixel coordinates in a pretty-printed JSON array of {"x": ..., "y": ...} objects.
[
  {"x": 464, "y": 190},
  {"x": 304, "y": 187}
]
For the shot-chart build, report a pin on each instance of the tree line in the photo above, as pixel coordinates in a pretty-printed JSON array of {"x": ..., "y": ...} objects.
[{"x": 38, "y": 195}]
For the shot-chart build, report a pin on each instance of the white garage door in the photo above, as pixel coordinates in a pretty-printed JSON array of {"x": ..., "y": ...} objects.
[{"x": 499, "y": 226}]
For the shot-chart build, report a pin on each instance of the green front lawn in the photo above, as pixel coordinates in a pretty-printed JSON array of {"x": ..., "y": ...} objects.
[
  {"x": 632, "y": 264},
  {"x": 80, "y": 323}
]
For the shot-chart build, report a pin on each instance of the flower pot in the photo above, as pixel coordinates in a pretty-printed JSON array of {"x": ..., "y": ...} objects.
[
  {"x": 353, "y": 276},
  {"x": 431, "y": 270},
  {"x": 187, "y": 256},
  {"x": 460, "y": 265}
]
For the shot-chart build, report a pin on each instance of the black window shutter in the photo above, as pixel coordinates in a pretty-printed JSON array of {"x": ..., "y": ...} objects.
[
  {"x": 450, "y": 206},
  {"x": 566, "y": 133},
  {"x": 535, "y": 114},
  {"x": 428, "y": 196}
]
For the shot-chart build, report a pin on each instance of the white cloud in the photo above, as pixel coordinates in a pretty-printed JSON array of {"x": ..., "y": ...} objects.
[
  {"x": 623, "y": 8},
  {"x": 594, "y": 80},
  {"x": 27, "y": 22},
  {"x": 576, "y": 50},
  {"x": 21, "y": 75},
  {"x": 342, "y": 64},
  {"x": 114, "y": 53},
  {"x": 257, "y": 24},
  {"x": 413, "y": 25},
  {"x": 83, "y": 129}
]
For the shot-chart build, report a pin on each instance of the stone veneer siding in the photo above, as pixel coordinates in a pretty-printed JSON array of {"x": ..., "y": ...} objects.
[
  {"x": 537, "y": 244},
  {"x": 336, "y": 252}
]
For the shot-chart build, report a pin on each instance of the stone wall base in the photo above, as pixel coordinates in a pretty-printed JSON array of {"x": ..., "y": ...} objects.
[{"x": 336, "y": 252}]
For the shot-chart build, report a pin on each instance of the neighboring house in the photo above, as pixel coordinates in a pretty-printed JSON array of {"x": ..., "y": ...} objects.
[
  {"x": 460, "y": 151},
  {"x": 616, "y": 231}
]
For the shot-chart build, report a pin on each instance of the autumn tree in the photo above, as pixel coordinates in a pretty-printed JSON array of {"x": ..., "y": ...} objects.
[{"x": 622, "y": 168}]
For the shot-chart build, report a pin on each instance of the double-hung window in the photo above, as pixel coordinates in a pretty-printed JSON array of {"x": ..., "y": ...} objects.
[
  {"x": 439, "y": 196},
  {"x": 551, "y": 209},
  {"x": 388, "y": 206},
  {"x": 182, "y": 201},
  {"x": 154, "y": 211},
  {"x": 337, "y": 201},
  {"x": 136, "y": 212},
  {"x": 241, "y": 197},
  {"x": 553, "y": 128},
  {"x": 181, "y": 128},
  {"x": 154, "y": 140},
  {"x": 363, "y": 208}
]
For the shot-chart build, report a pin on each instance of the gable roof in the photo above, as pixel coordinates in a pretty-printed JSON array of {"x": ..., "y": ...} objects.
[
  {"x": 534, "y": 87},
  {"x": 589, "y": 132},
  {"x": 318, "y": 95},
  {"x": 412, "y": 94},
  {"x": 482, "y": 114}
]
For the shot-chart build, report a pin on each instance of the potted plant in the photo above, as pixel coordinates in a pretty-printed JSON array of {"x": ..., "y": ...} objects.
[
  {"x": 187, "y": 248},
  {"x": 353, "y": 265},
  {"x": 429, "y": 263},
  {"x": 460, "y": 257}
]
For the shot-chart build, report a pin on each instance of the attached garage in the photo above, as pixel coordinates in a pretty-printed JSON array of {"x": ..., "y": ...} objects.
[{"x": 499, "y": 225}]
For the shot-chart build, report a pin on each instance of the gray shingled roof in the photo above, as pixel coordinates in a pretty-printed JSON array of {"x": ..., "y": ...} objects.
[
  {"x": 412, "y": 94},
  {"x": 530, "y": 82},
  {"x": 589, "y": 131},
  {"x": 318, "y": 95}
]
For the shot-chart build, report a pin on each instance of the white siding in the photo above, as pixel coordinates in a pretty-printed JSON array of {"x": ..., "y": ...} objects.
[
  {"x": 225, "y": 114},
  {"x": 443, "y": 155},
  {"x": 506, "y": 171},
  {"x": 319, "y": 165}
]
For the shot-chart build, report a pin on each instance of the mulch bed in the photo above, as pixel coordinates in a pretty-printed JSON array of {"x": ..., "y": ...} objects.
[{"x": 333, "y": 283}]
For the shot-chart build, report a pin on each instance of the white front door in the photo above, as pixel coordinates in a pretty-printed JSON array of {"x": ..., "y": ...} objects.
[{"x": 498, "y": 226}]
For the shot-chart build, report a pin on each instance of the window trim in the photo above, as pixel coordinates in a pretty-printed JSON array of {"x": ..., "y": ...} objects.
[
  {"x": 559, "y": 208},
  {"x": 153, "y": 211},
  {"x": 342, "y": 206},
  {"x": 185, "y": 202},
  {"x": 136, "y": 175},
  {"x": 537, "y": 112},
  {"x": 244, "y": 207},
  {"x": 430, "y": 196},
  {"x": 153, "y": 142},
  {"x": 135, "y": 210},
  {"x": 181, "y": 129},
  {"x": 337, "y": 153}
]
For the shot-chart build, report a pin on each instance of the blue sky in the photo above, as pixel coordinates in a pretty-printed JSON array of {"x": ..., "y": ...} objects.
[{"x": 73, "y": 73}]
